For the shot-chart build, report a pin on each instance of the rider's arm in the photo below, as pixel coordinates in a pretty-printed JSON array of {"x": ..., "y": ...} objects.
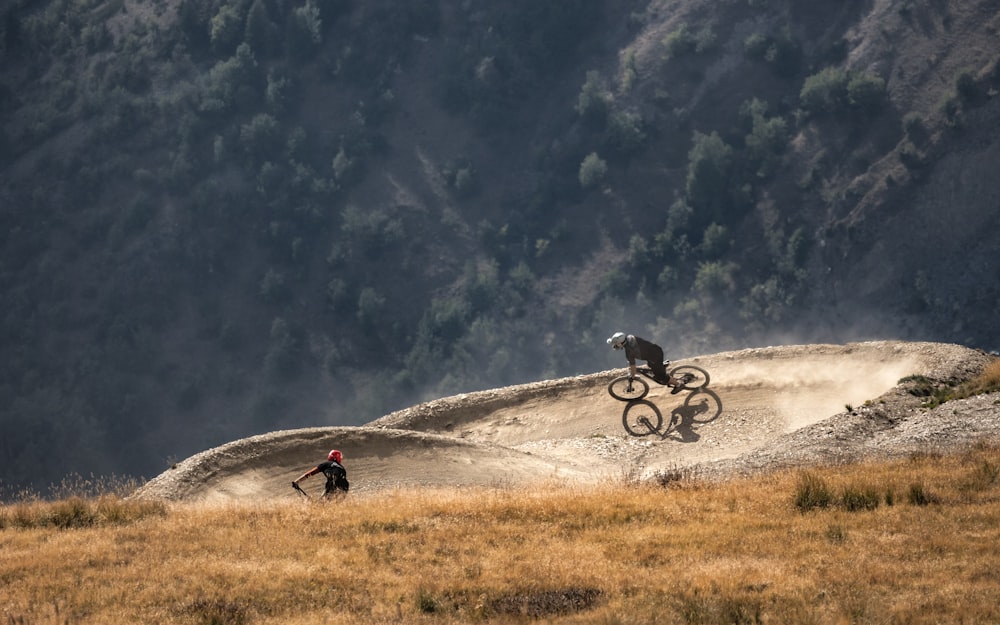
[
  {"x": 630, "y": 357},
  {"x": 312, "y": 471}
]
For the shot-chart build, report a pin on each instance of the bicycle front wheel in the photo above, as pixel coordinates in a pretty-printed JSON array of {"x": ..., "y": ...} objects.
[
  {"x": 628, "y": 390},
  {"x": 641, "y": 418},
  {"x": 692, "y": 377}
]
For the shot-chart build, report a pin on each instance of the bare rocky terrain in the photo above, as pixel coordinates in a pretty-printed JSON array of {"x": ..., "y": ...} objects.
[{"x": 765, "y": 408}]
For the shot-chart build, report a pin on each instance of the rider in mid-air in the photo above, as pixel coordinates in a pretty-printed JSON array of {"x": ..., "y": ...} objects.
[{"x": 642, "y": 349}]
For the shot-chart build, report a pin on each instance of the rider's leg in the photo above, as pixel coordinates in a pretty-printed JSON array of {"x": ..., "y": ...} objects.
[{"x": 659, "y": 371}]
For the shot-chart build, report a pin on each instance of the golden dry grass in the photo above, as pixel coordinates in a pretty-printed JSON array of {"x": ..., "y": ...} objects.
[
  {"x": 733, "y": 552},
  {"x": 986, "y": 382}
]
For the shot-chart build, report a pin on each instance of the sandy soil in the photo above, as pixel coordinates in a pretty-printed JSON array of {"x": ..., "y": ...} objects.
[{"x": 764, "y": 408}]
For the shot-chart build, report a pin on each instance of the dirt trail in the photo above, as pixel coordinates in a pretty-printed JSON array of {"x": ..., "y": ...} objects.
[{"x": 760, "y": 401}]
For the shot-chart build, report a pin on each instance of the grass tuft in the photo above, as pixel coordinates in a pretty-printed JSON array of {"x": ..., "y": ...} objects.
[
  {"x": 854, "y": 498},
  {"x": 812, "y": 492},
  {"x": 918, "y": 495}
]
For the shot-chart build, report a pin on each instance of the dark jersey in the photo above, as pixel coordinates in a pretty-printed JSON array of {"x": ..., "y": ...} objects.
[
  {"x": 336, "y": 476},
  {"x": 636, "y": 347},
  {"x": 642, "y": 349}
]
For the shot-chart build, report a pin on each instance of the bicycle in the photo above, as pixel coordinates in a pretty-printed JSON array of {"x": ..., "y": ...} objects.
[{"x": 629, "y": 388}]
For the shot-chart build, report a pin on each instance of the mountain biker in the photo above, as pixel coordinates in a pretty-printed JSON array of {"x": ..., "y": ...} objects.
[
  {"x": 636, "y": 347},
  {"x": 336, "y": 474}
]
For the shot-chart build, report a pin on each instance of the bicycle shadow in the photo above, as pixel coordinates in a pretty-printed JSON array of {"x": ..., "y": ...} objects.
[{"x": 643, "y": 418}]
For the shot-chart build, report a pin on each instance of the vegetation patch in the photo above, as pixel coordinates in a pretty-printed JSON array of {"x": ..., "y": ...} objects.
[
  {"x": 77, "y": 512},
  {"x": 218, "y": 611},
  {"x": 738, "y": 551},
  {"x": 547, "y": 602},
  {"x": 938, "y": 392}
]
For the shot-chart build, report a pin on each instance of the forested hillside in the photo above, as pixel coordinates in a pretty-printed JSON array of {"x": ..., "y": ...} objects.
[{"x": 225, "y": 217}]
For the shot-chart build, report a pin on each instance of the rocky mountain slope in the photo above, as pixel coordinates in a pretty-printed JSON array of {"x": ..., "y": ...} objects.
[{"x": 231, "y": 217}]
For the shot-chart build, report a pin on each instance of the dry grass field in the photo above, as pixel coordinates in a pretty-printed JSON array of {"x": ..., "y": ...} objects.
[{"x": 904, "y": 541}]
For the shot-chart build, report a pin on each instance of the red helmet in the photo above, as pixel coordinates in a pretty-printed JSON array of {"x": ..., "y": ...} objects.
[{"x": 335, "y": 456}]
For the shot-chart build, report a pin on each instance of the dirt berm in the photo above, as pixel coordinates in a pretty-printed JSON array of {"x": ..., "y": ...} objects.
[{"x": 765, "y": 408}]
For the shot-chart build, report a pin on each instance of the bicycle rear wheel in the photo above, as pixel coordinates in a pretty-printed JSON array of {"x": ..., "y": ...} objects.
[
  {"x": 692, "y": 377},
  {"x": 628, "y": 390}
]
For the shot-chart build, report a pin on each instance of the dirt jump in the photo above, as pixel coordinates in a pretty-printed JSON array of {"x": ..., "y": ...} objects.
[{"x": 764, "y": 408}]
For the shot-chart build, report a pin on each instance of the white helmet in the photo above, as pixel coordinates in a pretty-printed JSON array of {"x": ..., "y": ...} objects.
[{"x": 617, "y": 340}]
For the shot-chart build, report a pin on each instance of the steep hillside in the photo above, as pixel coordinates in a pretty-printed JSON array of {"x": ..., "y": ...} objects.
[{"x": 229, "y": 217}]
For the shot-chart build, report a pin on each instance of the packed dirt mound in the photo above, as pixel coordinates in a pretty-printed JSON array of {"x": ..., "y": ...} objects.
[{"x": 764, "y": 407}]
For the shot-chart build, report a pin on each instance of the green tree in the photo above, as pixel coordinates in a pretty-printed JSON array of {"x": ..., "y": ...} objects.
[
  {"x": 593, "y": 169},
  {"x": 715, "y": 277},
  {"x": 679, "y": 42},
  {"x": 284, "y": 350},
  {"x": 866, "y": 93},
  {"x": 230, "y": 82},
  {"x": 305, "y": 30},
  {"x": 767, "y": 140},
  {"x": 594, "y": 101},
  {"x": 261, "y": 137},
  {"x": 371, "y": 305},
  {"x": 709, "y": 167},
  {"x": 260, "y": 31},
  {"x": 825, "y": 92},
  {"x": 625, "y": 134},
  {"x": 227, "y": 27}
]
